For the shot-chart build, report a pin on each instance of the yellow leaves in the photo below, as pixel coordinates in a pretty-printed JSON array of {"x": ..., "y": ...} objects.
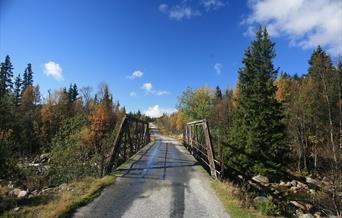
[
  {"x": 281, "y": 85},
  {"x": 100, "y": 119},
  {"x": 86, "y": 137},
  {"x": 27, "y": 98},
  {"x": 235, "y": 95}
]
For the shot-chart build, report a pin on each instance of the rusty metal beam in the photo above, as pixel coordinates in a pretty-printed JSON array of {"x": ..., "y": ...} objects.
[
  {"x": 196, "y": 137},
  {"x": 125, "y": 141}
]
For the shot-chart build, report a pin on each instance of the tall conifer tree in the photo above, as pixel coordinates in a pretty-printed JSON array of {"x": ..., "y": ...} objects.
[
  {"x": 27, "y": 77},
  {"x": 17, "y": 89},
  {"x": 256, "y": 140},
  {"x": 6, "y": 76}
]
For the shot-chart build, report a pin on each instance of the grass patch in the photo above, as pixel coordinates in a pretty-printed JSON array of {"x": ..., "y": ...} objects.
[
  {"x": 231, "y": 204},
  {"x": 64, "y": 203}
]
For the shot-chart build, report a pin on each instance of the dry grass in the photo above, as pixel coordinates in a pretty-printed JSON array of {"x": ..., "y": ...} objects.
[
  {"x": 63, "y": 203},
  {"x": 233, "y": 206}
]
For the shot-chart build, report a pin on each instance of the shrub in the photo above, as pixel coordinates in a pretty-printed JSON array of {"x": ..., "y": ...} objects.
[
  {"x": 69, "y": 160},
  {"x": 266, "y": 206}
]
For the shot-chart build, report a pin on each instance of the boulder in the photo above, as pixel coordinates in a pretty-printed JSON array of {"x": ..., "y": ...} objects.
[
  {"x": 63, "y": 186},
  {"x": 261, "y": 179},
  {"x": 22, "y": 194},
  {"x": 298, "y": 205},
  {"x": 44, "y": 157},
  {"x": 260, "y": 199},
  {"x": 312, "y": 191},
  {"x": 306, "y": 215},
  {"x": 15, "y": 192},
  {"x": 317, "y": 214},
  {"x": 311, "y": 181}
]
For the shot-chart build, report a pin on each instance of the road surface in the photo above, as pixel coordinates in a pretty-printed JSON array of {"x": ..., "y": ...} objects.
[{"x": 162, "y": 180}]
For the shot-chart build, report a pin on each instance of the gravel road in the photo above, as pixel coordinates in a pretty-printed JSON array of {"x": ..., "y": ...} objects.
[{"x": 162, "y": 180}]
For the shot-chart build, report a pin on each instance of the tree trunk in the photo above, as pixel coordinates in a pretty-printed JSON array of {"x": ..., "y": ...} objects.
[
  {"x": 315, "y": 157},
  {"x": 340, "y": 110},
  {"x": 326, "y": 96},
  {"x": 101, "y": 164}
]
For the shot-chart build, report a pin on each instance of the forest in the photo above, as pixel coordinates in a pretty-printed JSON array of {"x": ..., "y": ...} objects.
[
  {"x": 275, "y": 124},
  {"x": 54, "y": 140}
]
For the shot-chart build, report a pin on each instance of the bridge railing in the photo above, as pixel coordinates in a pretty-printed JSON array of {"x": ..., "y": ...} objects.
[
  {"x": 132, "y": 135},
  {"x": 197, "y": 139}
]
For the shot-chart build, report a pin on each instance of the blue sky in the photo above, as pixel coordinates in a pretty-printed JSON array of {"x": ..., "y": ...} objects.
[{"x": 168, "y": 44}]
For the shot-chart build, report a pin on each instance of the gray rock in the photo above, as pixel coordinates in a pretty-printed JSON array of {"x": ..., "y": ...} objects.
[
  {"x": 16, "y": 209},
  {"x": 293, "y": 182},
  {"x": 306, "y": 215},
  {"x": 260, "y": 199},
  {"x": 311, "y": 181},
  {"x": 15, "y": 192},
  {"x": 261, "y": 179},
  {"x": 312, "y": 191},
  {"x": 22, "y": 194},
  {"x": 298, "y": 205},
  {"x": 333, "y": 216},
  {"x": 317, "y": 214},
  {"x": 63, "y": 186},
  {"x": 44, "y": 157}
]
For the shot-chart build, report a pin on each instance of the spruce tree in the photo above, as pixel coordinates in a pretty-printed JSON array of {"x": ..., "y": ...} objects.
[
  {"x": 27, "y": 77},
  {"x": 6, "y": 76},
  {"x": 218, "y": 93},
  {"x": 256, "y": 139},
  {"x": 72, "y": 93},
  {"x": 17, "y": 89}
]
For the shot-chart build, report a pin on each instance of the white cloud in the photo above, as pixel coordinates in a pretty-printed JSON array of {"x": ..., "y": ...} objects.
[
  {"x": 147, "y": 87},
  {"x": 157, "y": 111},
  {"x": 307, "y": 23},
  {"x": 212, "y": 4},
  {"x": 179, "y": 12},
  {"x": 132, "y": 94},
  {"x": 53, "y": 69},
  {"x": 163, "y": 8},
  {"x": 160, "y": 93},
  {"x": 136, "y": 74},
  {"x": 218, "y": 68},
  {"x": 187, "y": 9}
]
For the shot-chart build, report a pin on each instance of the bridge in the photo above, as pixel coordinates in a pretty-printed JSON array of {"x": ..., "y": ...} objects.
[{"x": 159, "y": 176}]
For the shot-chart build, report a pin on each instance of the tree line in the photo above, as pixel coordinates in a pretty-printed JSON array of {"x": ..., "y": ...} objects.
[
  {"x": 73, "y": 126},
  {"x": 271, "y": 123}
]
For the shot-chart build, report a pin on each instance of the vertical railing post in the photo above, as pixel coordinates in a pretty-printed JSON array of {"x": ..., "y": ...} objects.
[
  {"x": 209, "y": 149},
  {"x": 125, "y": 142}
]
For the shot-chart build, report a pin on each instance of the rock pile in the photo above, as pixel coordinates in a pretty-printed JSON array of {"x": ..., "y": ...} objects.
[{"x": 297, "y": 193}]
